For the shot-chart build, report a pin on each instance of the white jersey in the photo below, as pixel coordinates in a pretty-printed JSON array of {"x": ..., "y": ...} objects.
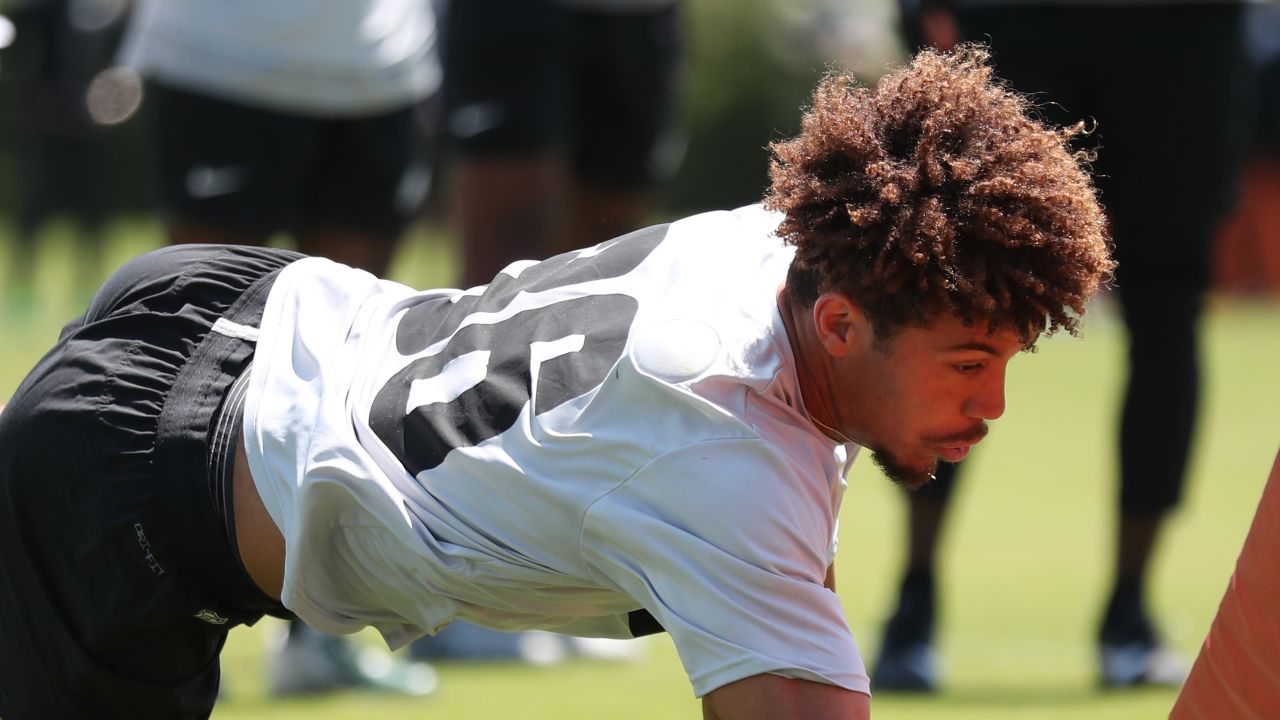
[
  {"x": 610, "y": 430},
  {"x": 331, "y": 58}
]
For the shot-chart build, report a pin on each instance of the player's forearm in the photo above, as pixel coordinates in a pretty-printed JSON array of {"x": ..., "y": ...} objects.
[{"x": 772, "y": 697}]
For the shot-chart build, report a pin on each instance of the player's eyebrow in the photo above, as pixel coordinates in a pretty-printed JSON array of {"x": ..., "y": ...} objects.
[
  {"x": 978, "y": 346},
  {"x": 974, "y": 345}
]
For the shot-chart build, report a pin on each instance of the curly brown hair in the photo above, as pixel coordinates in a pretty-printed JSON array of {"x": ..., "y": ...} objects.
[{"x": 937, "y": 190}]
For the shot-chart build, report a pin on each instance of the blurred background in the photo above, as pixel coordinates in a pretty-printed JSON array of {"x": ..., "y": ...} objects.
[{"x": 1029, "y": 541}]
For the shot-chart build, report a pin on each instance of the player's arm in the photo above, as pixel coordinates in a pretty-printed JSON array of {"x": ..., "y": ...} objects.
[{"x": 773, "y": 697}]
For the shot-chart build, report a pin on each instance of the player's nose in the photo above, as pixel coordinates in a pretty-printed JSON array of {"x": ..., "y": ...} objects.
[{"x": 988, "y": 403}]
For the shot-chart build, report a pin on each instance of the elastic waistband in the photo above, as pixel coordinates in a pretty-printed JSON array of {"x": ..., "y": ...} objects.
[{"x": 198, "y": 431}]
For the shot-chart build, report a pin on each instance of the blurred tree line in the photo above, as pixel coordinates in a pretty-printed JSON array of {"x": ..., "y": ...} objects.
[
  {"x": 751, "y": 66},
  {"x": 58, "y": 153}
]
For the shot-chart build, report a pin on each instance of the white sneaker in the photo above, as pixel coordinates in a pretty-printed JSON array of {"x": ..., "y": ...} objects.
[
  {"x": 309, "y": 662},
  {"x": 607, "y": 648},
  {"x": 1141, "y": 663}
]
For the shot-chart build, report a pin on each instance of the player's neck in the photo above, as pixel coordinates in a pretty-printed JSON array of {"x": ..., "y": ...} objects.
[{"x": 812, "y": 375}]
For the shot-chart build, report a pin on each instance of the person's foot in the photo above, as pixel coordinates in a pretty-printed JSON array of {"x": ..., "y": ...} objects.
[
  {"x": 1129, "y": 652},
  {"x": 1141, "y": 663},
  {"x": 310, "y": 662},
  {"x": 912, "y": 667}
]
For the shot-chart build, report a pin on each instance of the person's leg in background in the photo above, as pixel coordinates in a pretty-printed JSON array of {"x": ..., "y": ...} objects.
[
  {"x": 554, "y": 118},
  {"x": 345, "y": 189},
  {"x": 558, "y": 123},
  {"x": 907, "y": 660},
  {"x": 1024, "y": 52},
  {"x": 1178, "y": 112},
  {"x": 506, "y": 95},
  {"x": 625, "y": 129},
  {"x": 1167, "y": 173},
  {"x": 366, "y": 181},
  {"x": 359, "y": 185}
]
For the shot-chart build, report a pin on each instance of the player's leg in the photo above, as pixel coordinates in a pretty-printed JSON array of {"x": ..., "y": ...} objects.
[
  {"x": 119, "y": 583},
  {"x": 367, "y": 181},
  {"x": 506, "y": 125},
  {"x": 625, "y": 92},
  {"x": 907, "y": 660}
]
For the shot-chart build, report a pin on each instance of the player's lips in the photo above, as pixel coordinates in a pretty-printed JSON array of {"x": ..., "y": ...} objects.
[
  {"x": 954, "y": 448},
  {"x": 955, "y": 453}
]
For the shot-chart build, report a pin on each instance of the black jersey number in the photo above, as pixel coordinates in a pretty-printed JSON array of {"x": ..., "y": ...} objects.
[{"x": 544, "y": 355}]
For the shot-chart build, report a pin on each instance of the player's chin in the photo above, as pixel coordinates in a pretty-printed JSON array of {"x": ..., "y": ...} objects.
[{"x": 912, "y": 474}]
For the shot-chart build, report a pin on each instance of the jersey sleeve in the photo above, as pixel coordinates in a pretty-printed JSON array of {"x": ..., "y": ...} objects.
[{"x": 725, "y": 543}]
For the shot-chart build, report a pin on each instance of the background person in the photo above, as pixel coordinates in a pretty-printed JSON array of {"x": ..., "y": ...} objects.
[
  {"x": 1167, "y": 84},
  {"x": 559, "y": 117},
  {"x": 60, "y": 155},
  {"x": 281, "y": 117},
  {"x": 272, "y": 117}
]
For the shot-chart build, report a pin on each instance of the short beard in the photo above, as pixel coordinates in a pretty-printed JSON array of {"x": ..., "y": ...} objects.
[{"x": 909, "y": 477}]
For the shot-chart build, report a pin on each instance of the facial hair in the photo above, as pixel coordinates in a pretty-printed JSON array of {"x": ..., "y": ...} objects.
[{"x": 912, "y": 478}]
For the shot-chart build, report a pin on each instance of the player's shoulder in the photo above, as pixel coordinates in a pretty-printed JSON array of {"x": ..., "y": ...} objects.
[
  {"x": 714, "y": 488},
  {"x": 744, "y": 225}
]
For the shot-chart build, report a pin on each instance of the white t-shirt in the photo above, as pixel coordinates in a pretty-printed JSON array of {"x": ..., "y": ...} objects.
[
  {"x": 329, "y": 58},
  {"x": 664, "y": 461}
]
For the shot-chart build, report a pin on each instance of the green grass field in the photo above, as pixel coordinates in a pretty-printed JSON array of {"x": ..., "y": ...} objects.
[{"x": 1028, "y": 552}]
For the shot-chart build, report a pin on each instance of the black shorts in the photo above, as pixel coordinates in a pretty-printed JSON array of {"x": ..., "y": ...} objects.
[
  {"x": 258, "y": 172},
  {"x": 118, "y": 581},
  {"x": 533, "y": 76}
]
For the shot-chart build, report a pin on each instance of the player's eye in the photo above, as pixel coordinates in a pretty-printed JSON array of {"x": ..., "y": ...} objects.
[{"x": 969, "y": 368}]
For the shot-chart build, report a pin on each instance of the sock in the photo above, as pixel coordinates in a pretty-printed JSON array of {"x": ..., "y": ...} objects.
[
  {"x": 912, "y": 622},
  {"x": 1125, "y": 620}
]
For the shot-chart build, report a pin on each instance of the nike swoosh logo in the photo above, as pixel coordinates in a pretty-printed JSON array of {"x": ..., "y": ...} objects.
[
  {"x": 204, "y": 181},
  {"x": 471, "y": 120}
]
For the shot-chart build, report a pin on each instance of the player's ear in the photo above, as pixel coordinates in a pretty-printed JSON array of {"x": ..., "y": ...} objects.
[{"x": 842, "y": 326}]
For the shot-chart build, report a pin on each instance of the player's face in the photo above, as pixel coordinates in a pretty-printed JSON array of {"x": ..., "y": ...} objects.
[{"x": 922, "y": 395}]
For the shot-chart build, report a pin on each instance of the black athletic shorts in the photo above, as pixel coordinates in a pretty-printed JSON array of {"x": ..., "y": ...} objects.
[
  {"x": 256, "y": 171},
  {"x": 533, "y": 76},
  {"x": 118, "y": 581}
]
